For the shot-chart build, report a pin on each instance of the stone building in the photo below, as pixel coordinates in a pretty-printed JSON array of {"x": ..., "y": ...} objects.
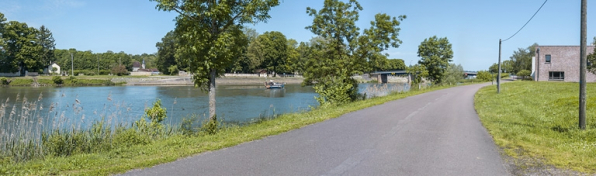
[{"x": 559, "y": 63}]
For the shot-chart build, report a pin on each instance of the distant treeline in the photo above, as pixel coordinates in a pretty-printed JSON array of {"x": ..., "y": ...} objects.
[
  {"x": 270, "y": 52},
  {"x": 34, "y": 49}
]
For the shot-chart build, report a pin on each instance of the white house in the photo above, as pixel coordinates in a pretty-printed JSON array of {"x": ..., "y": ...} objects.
[{"x": 51, "y": 67}]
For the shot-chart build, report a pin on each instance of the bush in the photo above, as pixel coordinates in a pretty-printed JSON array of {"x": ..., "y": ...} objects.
[
  {"x": 4, "y": 81},
  {"x": 505, "y": 75},
  {"x": 130, "y": 137},
  {"x": 524, "y": 73},
  {"x": 336, "y": 90},
  {"x": 57, "y": 80},
  {"x": 72, "y": 80},
  {"x": 484, "y": 76},
  {"x": 156, "y": 114},
  {"x": 120, "y": 70},
  {"x": 211, "y": 125},
  {"x": 104, "y": 72}
]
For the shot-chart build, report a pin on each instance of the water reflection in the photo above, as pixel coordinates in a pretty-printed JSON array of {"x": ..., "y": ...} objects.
[{"x": 79, "y": 106}]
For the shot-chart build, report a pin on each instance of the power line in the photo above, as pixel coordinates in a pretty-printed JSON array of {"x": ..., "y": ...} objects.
[{"x": 527, "y": 22}]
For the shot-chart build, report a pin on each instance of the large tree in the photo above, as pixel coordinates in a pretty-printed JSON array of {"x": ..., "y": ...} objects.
[
  {"x": 592, "y": 60},
  {"x": 395, "y": 64},
  {"x": 274, "y": 48},
  {"x": 293, "y": 60},
  {"x": 493, "y": 68},
  {"x": 22, "y": 48},
  {"x": 522, "y": 58},
  {"x": 303, "y": 50},
  {"x": 210, "y": 34},
  {"x": 255, "y": 55},
  {"x": 166, "y": 53},
  {"x": 46, "y": 40},
  {"x": 453, "y": 74},
  {"x": 3, "y": 58},
  {"x": 345, "y": 51},
  {"x": 244, "y": 64},
  {"x": 435, "y": 53}
]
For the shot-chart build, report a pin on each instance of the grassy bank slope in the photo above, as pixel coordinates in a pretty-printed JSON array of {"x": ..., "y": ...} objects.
[
  {"x": 166, "y": 150},
  {"x": 540, "y": 120}
]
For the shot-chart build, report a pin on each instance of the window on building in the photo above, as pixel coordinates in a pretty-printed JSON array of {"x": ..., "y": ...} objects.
[
  {"x": 547, "y": 58},
  {"x": 556, "y": 76}
]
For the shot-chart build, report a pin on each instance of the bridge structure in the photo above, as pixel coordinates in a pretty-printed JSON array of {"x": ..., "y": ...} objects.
[
  {"x": 382, "y": 75},
  {"x": 470, "y": 74}
]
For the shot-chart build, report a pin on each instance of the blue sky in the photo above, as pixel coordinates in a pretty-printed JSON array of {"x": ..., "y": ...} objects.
[{"x": 473, "y": 27}]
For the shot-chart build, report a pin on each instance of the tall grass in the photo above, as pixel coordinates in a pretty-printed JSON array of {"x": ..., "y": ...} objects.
[
  {"x": 30, "y": 131},
  {"x": 540, "y": 120}
]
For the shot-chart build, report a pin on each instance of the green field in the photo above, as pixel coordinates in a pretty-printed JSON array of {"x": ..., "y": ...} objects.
[{"x": 540, "y": 120}]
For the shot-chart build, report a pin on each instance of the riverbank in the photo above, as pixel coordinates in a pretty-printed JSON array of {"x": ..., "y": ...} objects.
[
  {"x": 186, "y": 80},
  {"x": 37, "y": 81},
  {"x": 179, "y": 145},
  {"x": 143, "y": 80},
  {"x": 536, "y": 124}
]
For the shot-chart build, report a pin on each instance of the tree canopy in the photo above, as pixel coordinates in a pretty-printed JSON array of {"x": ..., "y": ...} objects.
[
  {"x": 522, "y": 58},
  {"x": 454, "y": 74},
  {"x": 166, "y": 54},
  {"x": 210, "y": 35},
  {"x": 436, "y": 53},
  {"x": 274, "y": 50},
  {"x": 342, "y": 51},
  {"x": 22, "y": 47}
]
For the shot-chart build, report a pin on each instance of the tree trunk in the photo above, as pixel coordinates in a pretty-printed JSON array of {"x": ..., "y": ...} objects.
[{"x": 212, "y": 94}]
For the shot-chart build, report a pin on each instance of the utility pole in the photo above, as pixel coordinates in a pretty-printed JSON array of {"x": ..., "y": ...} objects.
[
  {"x": 97, "y": 65},
  {"x": 71, "y": 65},
  {"x": 499, "y": 71},
  {"x": 582, "y": 68}
]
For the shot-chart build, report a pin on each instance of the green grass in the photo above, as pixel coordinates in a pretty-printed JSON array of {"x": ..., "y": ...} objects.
[
  {"x": 21, "y": 82},
  {"x": 540, "y": 120},
  {"x": 78, "y": 81},
  {"x": 177, "y": 145}
]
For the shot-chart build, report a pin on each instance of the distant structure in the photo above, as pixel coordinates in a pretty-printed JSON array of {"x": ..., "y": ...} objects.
[
  {"x": 138, "y": 69},
  {"x": 470, "y": 74},
  {"x": 50, "y": 68},
  {"x": 559, "y": 63},
  {"x": 136, "y": 66}
]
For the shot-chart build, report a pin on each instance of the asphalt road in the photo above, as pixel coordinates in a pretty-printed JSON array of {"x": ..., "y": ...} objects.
[{"x": 436, "y": 133}]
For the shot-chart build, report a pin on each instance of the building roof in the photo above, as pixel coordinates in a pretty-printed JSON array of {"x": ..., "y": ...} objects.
[{"x": 136, "y": 64}]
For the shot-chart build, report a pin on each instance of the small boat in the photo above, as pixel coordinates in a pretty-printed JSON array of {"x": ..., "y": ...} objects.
[{"x": 274, "y": 85}]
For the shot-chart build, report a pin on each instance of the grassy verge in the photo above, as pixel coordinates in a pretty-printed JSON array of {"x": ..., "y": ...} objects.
[
  {"x": 68, "y": 81},
  {"x": 540, "y": 120},
  {"x": 177, "y": 145}
]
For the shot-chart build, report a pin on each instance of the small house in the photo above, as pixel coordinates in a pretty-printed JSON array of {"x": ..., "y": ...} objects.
[
  {"x": 52, "y": 69},
  {"x": 136, "y": 65}
]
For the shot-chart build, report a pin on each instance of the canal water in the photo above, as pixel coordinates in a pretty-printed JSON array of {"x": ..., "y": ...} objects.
[{"x": 78, "y": 107}]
